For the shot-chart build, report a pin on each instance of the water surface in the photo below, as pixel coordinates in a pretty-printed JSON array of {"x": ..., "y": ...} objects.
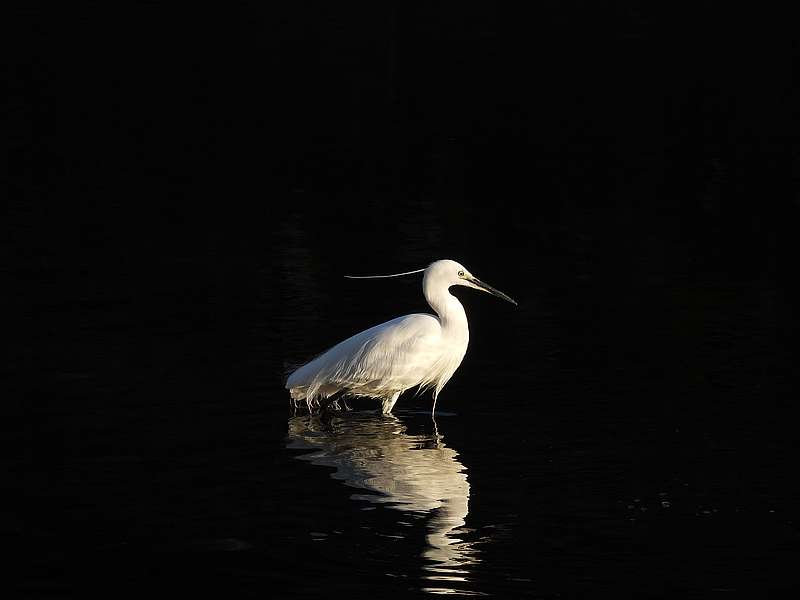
[{"x": 187, "y": 191}]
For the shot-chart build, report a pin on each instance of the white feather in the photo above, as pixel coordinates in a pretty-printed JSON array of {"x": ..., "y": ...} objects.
[{"x": 418, "y": 350}]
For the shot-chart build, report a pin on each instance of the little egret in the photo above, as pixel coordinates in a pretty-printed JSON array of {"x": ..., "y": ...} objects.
[{"x": 418, "y": 350}]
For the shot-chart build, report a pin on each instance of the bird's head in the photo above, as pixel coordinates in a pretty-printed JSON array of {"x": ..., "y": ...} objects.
[{"x": 447, "y": 273}]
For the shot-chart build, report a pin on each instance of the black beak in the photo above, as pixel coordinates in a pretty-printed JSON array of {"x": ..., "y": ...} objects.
[{"x": 487, "y": 288}]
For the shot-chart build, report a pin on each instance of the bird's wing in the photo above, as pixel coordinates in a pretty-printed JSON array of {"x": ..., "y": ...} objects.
[{"x": 389, "y": 357}]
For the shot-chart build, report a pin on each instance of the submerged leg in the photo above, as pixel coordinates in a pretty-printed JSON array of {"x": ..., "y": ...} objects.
[{"x": 387, "y": 405}]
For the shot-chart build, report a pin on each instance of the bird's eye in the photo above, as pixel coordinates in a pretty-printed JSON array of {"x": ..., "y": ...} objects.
[{"x": 461, "y": 273}]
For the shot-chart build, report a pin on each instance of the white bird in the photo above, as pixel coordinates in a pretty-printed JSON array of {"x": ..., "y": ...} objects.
[{"x": 417, "y": 350}]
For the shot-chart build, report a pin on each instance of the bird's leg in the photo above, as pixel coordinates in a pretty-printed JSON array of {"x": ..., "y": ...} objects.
[
  {"x": 437, "y": 439},
  {"x": 387, "y": 406}
]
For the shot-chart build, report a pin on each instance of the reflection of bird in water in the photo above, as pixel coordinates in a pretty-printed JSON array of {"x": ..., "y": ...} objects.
[{"x": 410, "y": 473}]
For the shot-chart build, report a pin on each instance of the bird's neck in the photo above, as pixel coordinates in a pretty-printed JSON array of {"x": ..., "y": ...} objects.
[{"x": 451, "y": 315}]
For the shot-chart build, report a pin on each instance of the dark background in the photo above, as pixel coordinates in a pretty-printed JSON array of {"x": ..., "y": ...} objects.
[{"x": 185, "y": 189}]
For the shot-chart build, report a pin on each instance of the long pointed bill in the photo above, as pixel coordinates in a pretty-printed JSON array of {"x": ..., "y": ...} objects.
[{"x": 487, "y": 288}]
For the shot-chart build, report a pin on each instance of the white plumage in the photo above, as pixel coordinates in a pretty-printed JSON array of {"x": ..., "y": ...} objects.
[{"x": 417, "y": 350}]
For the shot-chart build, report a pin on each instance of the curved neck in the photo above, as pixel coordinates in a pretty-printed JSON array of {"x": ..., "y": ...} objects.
[{"x": 450, "y": 311}]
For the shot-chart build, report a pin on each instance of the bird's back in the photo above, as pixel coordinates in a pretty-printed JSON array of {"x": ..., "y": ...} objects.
[{"x": 379, "y": 362}]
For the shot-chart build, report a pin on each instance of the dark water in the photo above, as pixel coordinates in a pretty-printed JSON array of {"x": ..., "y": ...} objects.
[{"x": 186, "y": 193}]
